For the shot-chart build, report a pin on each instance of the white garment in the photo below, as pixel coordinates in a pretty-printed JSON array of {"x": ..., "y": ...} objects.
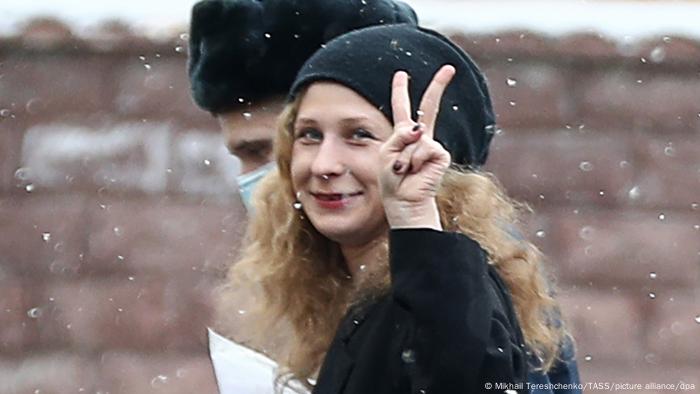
[{"x": 241, "y": 370}]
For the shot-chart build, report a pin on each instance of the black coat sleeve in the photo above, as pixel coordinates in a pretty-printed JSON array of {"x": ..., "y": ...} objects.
[{"x": 463, "y": 332}]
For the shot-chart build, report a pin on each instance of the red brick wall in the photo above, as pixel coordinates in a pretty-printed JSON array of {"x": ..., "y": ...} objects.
[
  {"x": 603, "y": 140},
  {"x": 118, "y": 212}
]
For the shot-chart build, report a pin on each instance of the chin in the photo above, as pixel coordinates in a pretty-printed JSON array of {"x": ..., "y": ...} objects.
[
  {"x": 340, "y": 234},
  {"x": 355, "y": 233}
]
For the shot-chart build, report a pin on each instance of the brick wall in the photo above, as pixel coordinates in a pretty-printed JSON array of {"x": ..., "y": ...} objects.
[{"x": 119, "y": 213}]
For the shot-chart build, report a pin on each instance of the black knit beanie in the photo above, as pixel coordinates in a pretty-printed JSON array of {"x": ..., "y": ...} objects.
[
  {"x": 365, "y": 60},
  {"x": 241, "y": 51}
]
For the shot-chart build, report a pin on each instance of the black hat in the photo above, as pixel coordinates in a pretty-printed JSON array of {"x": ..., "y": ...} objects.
[
  {"x": 365, "y": 60},
  {"x": 246, "y": 50}
]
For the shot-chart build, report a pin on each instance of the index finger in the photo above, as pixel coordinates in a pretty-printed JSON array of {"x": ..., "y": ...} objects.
[
  {"x": 430, "y": 103},
  {"x": 400, "y": 100}
]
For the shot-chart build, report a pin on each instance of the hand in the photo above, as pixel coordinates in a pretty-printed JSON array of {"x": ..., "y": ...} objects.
[{"x": 413, "y": 163}]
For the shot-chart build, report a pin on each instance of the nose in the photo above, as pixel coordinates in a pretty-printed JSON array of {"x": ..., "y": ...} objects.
[{"x": 329, "y": 159}]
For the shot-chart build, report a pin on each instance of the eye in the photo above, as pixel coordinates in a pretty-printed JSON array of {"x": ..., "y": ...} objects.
[
  {"x": 261, "y": 148},
  {"x": 360, "y": 133},
  {"x": 309, "y": 135}
]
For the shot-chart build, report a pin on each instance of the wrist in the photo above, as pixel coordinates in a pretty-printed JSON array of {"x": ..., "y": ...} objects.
[{"x": 407, "y": 215}]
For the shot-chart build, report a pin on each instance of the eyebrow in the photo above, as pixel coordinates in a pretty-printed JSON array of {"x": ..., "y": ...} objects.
[
  {"x": 350, "y": 120},
  {"x": 256, "y": 145}
]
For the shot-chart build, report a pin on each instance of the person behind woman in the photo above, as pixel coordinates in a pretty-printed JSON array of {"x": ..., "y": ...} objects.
[
  {"x": 395, "y": 270},
  {"x": 244, "y": 55}
]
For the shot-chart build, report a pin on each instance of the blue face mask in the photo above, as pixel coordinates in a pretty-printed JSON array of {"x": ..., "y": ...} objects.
[{"x": 248, "y": 182}]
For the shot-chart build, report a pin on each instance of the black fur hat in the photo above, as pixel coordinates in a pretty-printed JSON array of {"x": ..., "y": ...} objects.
[{"x": 247, "y": 50}]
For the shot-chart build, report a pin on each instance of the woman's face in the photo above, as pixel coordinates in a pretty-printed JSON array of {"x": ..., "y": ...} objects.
[{"x": 335, "y": 163}]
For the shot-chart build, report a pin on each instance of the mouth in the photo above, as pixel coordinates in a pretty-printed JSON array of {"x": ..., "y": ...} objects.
[
  {"x": 334, "y": 196},
  {"x": 334, "y": 201}
]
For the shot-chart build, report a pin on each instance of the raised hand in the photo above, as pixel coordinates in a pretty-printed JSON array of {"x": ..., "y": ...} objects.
[{"x": 413, "y": 163}]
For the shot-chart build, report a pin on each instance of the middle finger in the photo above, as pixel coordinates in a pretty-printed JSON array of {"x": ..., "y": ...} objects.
[{"x": 430, "y": 103}]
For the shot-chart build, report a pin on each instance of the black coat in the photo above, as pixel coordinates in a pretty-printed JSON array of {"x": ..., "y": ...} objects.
[{"x": 446, "y": 326}]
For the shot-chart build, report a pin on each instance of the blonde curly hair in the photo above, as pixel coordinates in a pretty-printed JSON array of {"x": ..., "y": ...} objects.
[{"x": 302, "y": 283}]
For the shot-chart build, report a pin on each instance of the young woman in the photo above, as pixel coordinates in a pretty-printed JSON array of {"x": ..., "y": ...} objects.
[{"x": 395, "y": 269}]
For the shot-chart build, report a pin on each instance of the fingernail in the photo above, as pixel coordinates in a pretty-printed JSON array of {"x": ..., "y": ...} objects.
[{"x": 397, "y": 166}]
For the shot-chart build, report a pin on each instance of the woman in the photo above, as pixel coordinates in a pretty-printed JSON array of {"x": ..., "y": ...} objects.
[{"x": 395, "y": 270}]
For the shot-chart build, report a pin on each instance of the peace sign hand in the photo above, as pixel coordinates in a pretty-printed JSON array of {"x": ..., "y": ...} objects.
[{"x": 413, "y": 163}]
